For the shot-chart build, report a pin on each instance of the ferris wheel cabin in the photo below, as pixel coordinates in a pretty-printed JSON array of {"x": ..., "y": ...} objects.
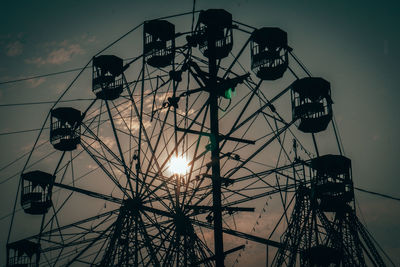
[
  {"x": 269, "y": 53},
  {"x": 65, "y": 129},
  {"x": 107, "y": 77},
  {"x": 332, "y": 184},
  {"x": 35, "y": 196},
  {"x": 218, "y": 23},
  {"x": 159, "y": 43},
  {"x": 23, "y": 253},
  {"x": 311, "y": 104}
]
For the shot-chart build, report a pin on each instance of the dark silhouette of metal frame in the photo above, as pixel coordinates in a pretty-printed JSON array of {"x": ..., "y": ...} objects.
[{"x": 159, "y": 219}]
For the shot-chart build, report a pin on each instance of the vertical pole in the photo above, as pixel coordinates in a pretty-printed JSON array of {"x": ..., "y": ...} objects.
[
  {"x": 216, "y": 179},
  {"x": 137, "y": 166},
  {"x": 177, "y": 176},
  {"x": 141, "y": 111}
]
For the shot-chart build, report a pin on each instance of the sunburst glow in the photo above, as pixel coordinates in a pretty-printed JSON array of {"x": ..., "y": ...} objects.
[{"x": 178, "y": 165}]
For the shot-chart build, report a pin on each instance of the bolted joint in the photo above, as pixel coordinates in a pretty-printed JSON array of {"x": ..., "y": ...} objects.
[
  {"x": 176, "y": 75},
  {"x": 192, "y": 40},
  {"x": 171, "y": 102}
]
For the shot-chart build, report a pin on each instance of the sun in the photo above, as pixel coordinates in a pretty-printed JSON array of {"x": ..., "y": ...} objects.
[{"x": 178, "y": 165}]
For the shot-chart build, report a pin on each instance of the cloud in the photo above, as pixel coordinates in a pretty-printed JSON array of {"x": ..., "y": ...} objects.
[
  {"x": 58, "y": 56},
  {"x": 107, "y": 140},
  {"x": 33, "y": 83},
  {"x": 88, "y": 38},
  {"x": 92, "y": 167},
  {"x": 63, "y": 55},
  {"x": 14, "y": 49},
  {"x": 36, "y": 61},
  {"x": 28, "y": 147}
]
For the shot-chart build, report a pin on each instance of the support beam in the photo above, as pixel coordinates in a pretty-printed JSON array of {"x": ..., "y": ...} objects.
[
  {"x": 225, "y": 253},
  {"x": 89, "y": 193},
  {"x": 276, "y": 135},
  {"x": 221, "y": 137},
  {"x": 75, "y": 224},
  {"x": 116, "y": 182},
  {"x": 241, "y": 234}
]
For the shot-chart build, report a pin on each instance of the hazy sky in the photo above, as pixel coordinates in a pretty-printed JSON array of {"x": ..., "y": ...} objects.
[{"x": 352, "y": 44}]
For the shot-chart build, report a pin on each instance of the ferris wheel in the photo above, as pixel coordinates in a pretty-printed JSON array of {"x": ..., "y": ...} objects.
[{"x": 188, "y": 145}]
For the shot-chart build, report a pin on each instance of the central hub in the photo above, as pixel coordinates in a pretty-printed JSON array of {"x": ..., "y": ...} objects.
[
  {"x": 182, "y": 224},
  {"x": 132, "y": 204}
]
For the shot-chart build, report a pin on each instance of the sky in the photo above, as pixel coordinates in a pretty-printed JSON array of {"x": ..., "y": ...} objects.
[{"x": 352, "y": 44}]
